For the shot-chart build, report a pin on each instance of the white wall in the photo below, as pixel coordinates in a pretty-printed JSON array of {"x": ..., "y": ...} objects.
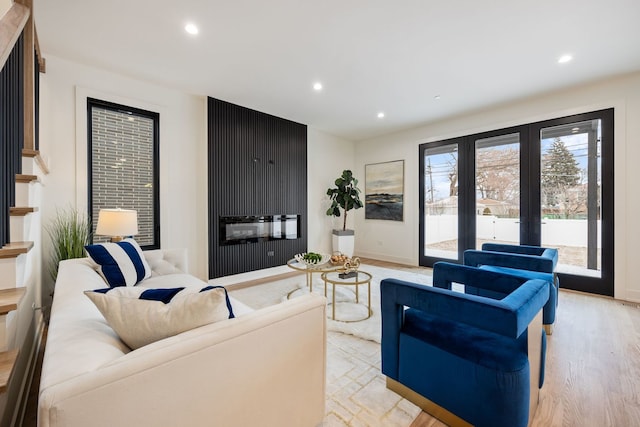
[
  {"x": 183, "y": 155},
  {"x": 183, "y": 149},
  {"x": 399, "y": 241},
  {"x": 327, "y": 157}
]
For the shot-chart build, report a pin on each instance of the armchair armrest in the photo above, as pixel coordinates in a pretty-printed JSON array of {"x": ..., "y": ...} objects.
[
  {"x": 549, "y": 253},
  {"x": 514, "y": 249},
  {"x": 509, "y": 317},
  {"x": 446, "y": 273},
  {"x": 476, "y": 258}
]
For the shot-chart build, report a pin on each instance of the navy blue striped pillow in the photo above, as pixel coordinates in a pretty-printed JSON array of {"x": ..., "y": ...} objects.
[{"x": 121, "y": 263}]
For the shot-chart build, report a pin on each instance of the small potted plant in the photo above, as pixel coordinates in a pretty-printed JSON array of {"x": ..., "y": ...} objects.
[{"x": 345, "y": 196}]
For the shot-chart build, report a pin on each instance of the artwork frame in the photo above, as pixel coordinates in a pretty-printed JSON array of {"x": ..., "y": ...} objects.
[{"x": 384, "y": 191}]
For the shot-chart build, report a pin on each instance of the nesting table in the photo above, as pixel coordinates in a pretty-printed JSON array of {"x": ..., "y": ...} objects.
[
  {"x": 360, "y": 278},
  {"x": 310, "y": 269}
]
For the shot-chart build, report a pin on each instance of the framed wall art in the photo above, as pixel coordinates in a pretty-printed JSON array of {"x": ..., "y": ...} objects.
[{"x": 384, "y": 191}]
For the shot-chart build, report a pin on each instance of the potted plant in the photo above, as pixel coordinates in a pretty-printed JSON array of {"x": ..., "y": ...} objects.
[
  {"x": 345, "y": 196},
  {"x": 69, "y": 231}
]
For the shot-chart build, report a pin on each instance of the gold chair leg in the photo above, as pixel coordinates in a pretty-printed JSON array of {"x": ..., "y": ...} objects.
[
  {"x": 426, "y": 405},
  {"x": 548, "y": 329}
]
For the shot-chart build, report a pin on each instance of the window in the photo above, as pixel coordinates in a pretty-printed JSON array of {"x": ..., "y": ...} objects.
[
  {"x": 547, "y": 183},
  {"x": 123, "y": 166}
]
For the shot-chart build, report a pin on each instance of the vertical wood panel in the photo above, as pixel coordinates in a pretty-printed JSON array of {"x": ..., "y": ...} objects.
[{"x": 257, "y": 166}]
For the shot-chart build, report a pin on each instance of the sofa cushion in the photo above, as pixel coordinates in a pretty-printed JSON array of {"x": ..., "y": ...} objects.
[
  {"x": 121, "y": 263},
  {"x": 141, "y": 316}
]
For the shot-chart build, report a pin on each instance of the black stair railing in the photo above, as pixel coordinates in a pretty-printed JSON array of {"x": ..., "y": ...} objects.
[{"x": 11, "y": 133}]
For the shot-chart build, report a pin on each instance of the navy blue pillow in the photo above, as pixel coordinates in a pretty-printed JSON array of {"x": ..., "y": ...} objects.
[{"x": 121, "y": 263}]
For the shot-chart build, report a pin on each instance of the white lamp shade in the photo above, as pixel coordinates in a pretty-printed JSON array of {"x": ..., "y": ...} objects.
[{"x": 117, "y": 222}]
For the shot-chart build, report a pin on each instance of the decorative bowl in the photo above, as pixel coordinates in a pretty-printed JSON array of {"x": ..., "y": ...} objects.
[{"x": 324, "y": 258}]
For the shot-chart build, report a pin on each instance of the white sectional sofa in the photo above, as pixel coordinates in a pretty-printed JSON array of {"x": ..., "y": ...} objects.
[{"x": 263, "y": 368}]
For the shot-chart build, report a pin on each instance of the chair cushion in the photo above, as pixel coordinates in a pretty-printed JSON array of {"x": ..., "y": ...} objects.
[
  {"x": 121, "y": 263},
  {"x": 141, "y": 316}
]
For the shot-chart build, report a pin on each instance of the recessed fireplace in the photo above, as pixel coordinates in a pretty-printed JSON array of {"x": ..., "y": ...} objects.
[{"x": 237, "y": 230}]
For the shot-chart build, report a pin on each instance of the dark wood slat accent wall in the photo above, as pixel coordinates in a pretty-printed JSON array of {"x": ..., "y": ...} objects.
[{"x": 257, "y": 166}]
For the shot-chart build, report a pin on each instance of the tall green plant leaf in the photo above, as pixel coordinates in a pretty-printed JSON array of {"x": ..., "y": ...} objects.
[{"x": 69, "y": 231}]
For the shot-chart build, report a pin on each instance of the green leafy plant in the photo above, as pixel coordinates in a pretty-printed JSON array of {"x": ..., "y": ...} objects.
[
  {"x": 69, "y": 231},
  {"x": 345, "y": 195}
]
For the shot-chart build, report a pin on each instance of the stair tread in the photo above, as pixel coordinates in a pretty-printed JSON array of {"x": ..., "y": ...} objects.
[
  {"x": 27, "y": 152},
  {"x": 21, "y": 211},
  {"x": 7, "y": 363},
  {"x": 26, "y": 178},
  {"x": 35, "y": 154},
  {"x": 13, "y": 249},
  {"x": 10, "y": 298}
]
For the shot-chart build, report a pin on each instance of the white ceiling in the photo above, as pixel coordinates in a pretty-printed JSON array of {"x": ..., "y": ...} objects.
[{"x": 370, "y": 55}]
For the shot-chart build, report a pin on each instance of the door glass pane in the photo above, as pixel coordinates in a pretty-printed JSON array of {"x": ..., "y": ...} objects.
[
  {"x": 441, "y": 202},
  {"x": 570, "y": 195},
  {"x": 497, "y": 184}
]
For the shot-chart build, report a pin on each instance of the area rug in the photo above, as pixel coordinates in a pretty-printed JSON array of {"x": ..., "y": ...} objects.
[
  {"x": 347, "y": 310},
  {"x": 356, "y": 393}
]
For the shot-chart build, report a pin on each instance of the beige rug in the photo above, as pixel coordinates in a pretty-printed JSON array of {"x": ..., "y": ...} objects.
[
  {"x": 356, "y": 391},
  {"x": 347, "y": 309}
]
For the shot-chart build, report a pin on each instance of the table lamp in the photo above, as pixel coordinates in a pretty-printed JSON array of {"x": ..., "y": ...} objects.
[{"x": 117, "y": 223}]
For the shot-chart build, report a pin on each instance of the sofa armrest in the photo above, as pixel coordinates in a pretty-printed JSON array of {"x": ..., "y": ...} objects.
[{"x": 476, "y": 258}]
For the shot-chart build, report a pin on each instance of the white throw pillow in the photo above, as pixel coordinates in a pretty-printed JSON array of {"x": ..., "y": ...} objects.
[
  {"x": 121, "y": 263},
  {"x": 141, "y": 316}
]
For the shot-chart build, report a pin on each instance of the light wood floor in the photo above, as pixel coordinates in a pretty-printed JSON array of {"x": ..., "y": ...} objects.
[{"x": 592, "y": 367}]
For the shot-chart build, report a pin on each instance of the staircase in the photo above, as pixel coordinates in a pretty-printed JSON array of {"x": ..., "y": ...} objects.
[
  {"x": 21, "y": 174},
  {"x": 20, "y": 266}
]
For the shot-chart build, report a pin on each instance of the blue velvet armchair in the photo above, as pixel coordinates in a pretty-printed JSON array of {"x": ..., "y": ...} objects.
[
  {"x": 466, "y": 359},
  {"x": 530, "y": 262}
]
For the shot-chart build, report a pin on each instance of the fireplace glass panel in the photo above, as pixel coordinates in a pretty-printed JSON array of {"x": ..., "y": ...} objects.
[{"x": 235, "y": 230}]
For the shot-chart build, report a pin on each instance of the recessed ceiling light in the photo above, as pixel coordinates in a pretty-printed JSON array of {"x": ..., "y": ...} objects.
[
  {"x": 191, "y": 28},
  {"x": 317, "y": 86},
  {"x": 380, "y": 115},
  {"x": 436, "y": 97},
  {"x": 564, "y": 59}
]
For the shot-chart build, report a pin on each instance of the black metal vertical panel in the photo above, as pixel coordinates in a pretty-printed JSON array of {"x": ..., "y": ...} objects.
[
  {"x": 4, "y": 167},
  {"x": 36, "y": 101},
  {"x": 15, "y": 67},
  {"x": 11, "y": 132},
  {"x": 257, "y": 166}
]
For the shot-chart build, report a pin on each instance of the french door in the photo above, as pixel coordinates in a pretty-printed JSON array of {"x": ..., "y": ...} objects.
[{"x": 547, "y": 183}]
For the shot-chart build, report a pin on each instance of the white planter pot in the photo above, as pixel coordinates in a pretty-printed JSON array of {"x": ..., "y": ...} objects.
[{"x": 343, "y": 242}]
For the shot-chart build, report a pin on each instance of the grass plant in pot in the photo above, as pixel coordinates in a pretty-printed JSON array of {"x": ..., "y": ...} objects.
[
  {"x": 345, "y": 196},
  {"x": 69, "y": 231}
]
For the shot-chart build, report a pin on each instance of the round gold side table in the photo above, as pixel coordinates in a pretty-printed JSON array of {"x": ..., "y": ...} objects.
[
  {"x": 309, "y": 270},
  {"x": 361, "y": 278}
]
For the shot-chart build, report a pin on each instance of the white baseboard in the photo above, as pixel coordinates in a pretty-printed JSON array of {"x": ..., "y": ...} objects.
[
  {"x": 25, "y": 387},
  {"x": 251, "y": 275},
  {"x": 385, "y": 257}
]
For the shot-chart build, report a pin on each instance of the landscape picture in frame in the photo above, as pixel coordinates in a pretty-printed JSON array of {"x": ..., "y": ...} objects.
[{"x": 384, "y": 191}]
